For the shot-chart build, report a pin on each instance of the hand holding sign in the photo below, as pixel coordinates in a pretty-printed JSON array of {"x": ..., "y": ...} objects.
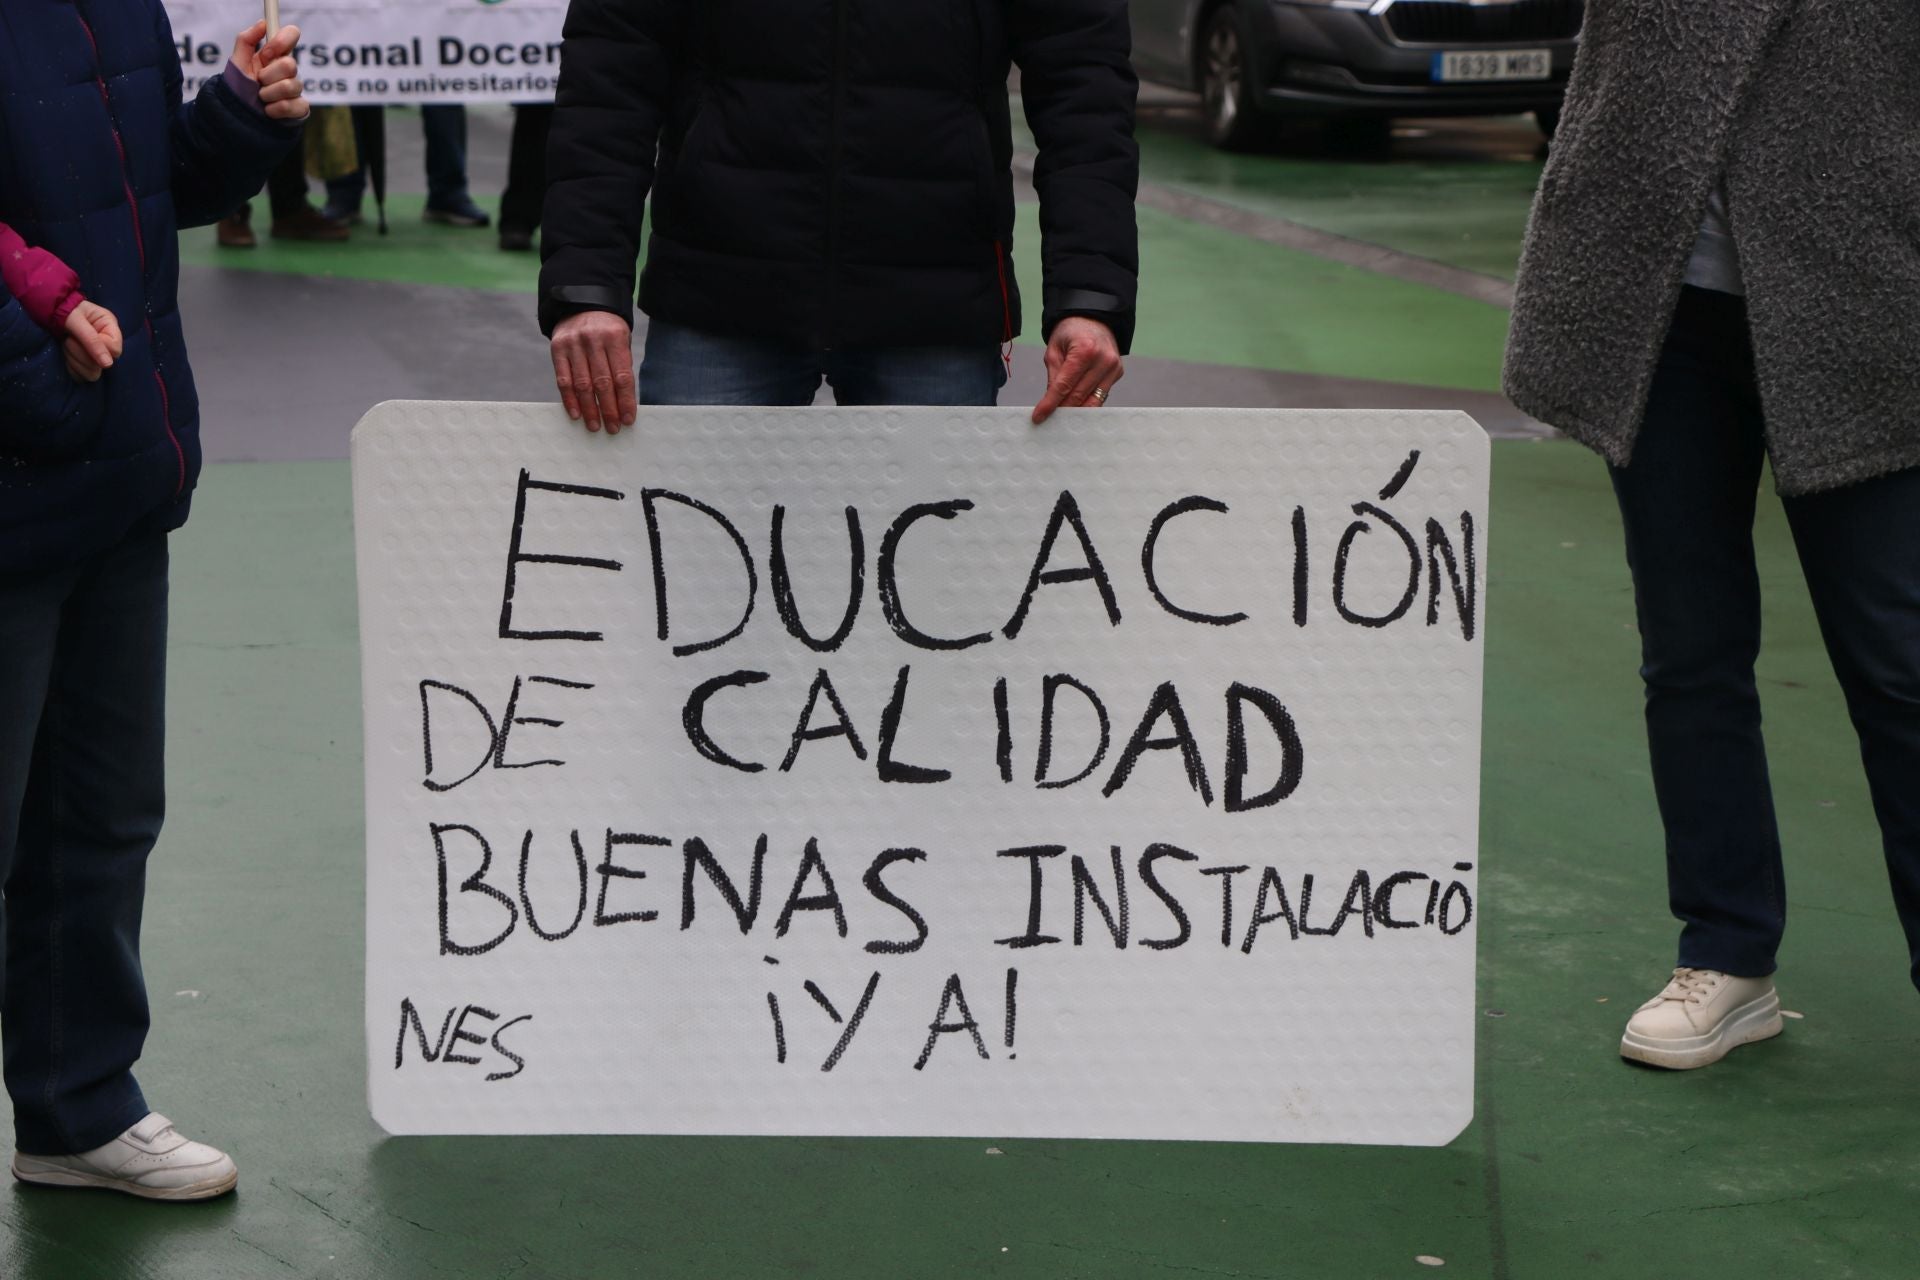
[
  {"x": 269, "y": 63},
  {"x": 1083, "y": 363},
  {"x": 593, "y": 368}
]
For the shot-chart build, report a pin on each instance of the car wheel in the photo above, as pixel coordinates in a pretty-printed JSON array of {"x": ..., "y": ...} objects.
[
  {"x": 1548, "y": 118},
  {"x": 1233, "y": 123}
]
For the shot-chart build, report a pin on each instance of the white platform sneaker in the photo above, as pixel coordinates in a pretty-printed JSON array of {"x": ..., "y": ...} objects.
[
  {"x": 152, "y": 1160},
  {"x": 1699, "y": 1017}
]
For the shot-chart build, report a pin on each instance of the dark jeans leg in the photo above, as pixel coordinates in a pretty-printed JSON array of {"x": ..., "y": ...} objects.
[
  {"x": 1687, "y": 502},
  {"x": 1860, "y": 548},
  {"x": 445, "y": 128},
  {"x": 688, "y": 366},
  {"x": 917, "y": 375},
  {"x": 520, "y": 203},
  {"x": 287, "y": 185},
  {"x": 92, "y": 643}
]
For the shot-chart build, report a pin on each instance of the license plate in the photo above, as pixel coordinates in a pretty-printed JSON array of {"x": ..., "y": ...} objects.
[{"x": 1504, "y": 64}]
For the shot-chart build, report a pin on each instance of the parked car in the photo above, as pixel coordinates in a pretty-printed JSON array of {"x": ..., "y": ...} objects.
[{"x": 1255, "y": 60}]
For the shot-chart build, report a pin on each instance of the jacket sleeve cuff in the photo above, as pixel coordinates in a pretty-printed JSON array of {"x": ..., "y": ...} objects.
[
  {"x": 559, "y": 301},
  {"x": 1109, "y": 309},
  {"x": 69, "y": 303},
  {"x": 244, "y": 87}
]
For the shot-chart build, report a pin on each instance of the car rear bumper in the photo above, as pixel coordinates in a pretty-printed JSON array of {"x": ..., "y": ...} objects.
[{"x": 1316, "y": 59}]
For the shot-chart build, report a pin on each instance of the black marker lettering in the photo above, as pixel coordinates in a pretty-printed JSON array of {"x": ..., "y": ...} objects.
[
  {"x": 1292, "y": 750},
  {"x": 783, "y": 600},
  {"x": 889, "y": 582},
  {"x": 1049, "y": 688},
  {"x": 892, "y": 770},
  {"x": 698, "y": 855},
  {"x": 516, "y": 557},
  {"x": 878, "y": 888},
  {"x": 426, "y": 733},
  {"x": 1165, "y": 702},
  {"x": 1035, "y": 855},
  {"x": 648, "y": 500},
  {"x": 827, "y": 900},
  {"x": 609, "y": 870},
  {"x": 1180, "y": 508},
  {"x": 475, "y": 883},
  {"x": 693, "y": 718},
  {"x": 1154, "y": 853},
  {"x": 1066, "y": 512},
  {"x": 526, "y": 900},
  {"x": 842, "y": 727},
  {"x": 951, "y": 995}
]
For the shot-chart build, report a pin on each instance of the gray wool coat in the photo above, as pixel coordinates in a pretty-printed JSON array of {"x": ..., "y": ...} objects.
[{"x": 1811, "y": 110}]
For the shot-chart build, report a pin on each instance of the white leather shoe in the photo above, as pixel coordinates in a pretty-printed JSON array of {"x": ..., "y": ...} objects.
[
  {"x": 1700, "y": 1016},
  {"x": 152, "y": 1160}
]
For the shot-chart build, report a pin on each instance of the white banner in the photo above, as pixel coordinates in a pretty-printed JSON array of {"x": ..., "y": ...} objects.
[
  {"x": 391, "y": 51},
  {"x": 919, "y": 772}
]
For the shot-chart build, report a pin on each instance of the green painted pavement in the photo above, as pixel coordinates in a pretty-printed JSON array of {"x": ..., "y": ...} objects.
[
  {"x": 1467, "y": 213},
  {"x": 1206, "y": 295},
  {"x": 1792, "y": 1158},
  {"x": 1457, "y": 192}
]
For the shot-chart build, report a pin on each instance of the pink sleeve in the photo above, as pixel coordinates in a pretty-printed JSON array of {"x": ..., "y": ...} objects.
[{"x": 47, "y": 288}]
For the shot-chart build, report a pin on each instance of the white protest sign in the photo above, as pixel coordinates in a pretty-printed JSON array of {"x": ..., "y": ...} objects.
[
  {"x": 920, "y": 772},
  {"x": 391, "y": 51}
]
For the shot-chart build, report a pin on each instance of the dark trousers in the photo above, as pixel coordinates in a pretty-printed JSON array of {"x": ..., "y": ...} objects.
[
  {"x": 82, "y": 711},
  {"x": 444, "y": 125},
  {"x": 1688, "y": 503},
  {"x": 526, "y": 191},
  {"x": 286, "y": 187}
]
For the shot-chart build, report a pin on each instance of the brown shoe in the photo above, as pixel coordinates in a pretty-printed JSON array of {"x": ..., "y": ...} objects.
[
  {"x": 235, "y": 231},
  {"x": 308, "y": 224}
]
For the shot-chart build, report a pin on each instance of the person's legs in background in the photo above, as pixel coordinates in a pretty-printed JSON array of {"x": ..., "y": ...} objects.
[
  {"x": 346, "y": 192},
  {"x": 1858, "y": 548},
  {"x": 917, "y": 375},
  {"x": 520, "y": 203},
  {"x": 293, "y": 217},
  {"x": 688, "y": 367},
  {"x": 448, "y": 201}
]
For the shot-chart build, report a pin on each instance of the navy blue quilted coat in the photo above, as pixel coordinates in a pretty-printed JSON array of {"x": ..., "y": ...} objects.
[{"x": 100, "y": 163}]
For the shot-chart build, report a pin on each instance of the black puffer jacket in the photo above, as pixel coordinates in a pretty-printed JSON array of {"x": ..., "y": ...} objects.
[{"x": 838, "y": 172}]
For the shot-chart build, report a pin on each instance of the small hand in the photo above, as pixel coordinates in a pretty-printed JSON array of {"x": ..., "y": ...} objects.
[
  {"x": 80, "y": 365},
  {"x": 92, "y": 343},
  {"x": 1083, "y": 363},
  {"x": 270, "y": 64},
  {"x": 593, "y": 367}
]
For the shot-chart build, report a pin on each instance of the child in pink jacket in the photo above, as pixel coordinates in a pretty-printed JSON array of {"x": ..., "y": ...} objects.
[{"x": 49, "y": 291}]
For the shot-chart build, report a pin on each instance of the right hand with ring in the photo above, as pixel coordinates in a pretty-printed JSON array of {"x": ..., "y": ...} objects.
[{"x": 1083, "y": 363}]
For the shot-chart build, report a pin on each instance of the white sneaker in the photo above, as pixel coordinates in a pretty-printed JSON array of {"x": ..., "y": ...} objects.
[
  {"x": 1700, "y": 1016},
  {"x": 152, "y": 1160}
]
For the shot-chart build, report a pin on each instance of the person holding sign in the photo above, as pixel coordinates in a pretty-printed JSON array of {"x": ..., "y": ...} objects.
[
  {"x": 102, "y": 163},
  {"x": 1716, "y": 276},
  {"x": 832, "y": 199}
]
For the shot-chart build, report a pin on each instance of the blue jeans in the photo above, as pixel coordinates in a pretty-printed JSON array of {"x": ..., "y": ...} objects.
[
  {"x": 687, "y": 366},
  {"x": 1688, "y": 505},
  {"x": 82, "y": 794},
  {"x": 445, "y": 128}
]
